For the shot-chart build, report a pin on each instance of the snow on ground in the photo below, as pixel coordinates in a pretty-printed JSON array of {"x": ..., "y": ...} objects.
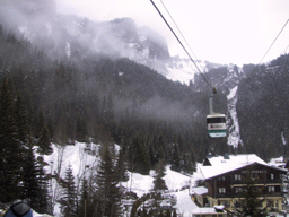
[
  {"x": 139, "y": 183},
  {"x": 81, "y": 157},
  {"x": 232, "y": 93},
  {"x": 182, "y": 70},
  {"x": 142, "y": 184},
  {"x": 175, "y": 181},
  {"x": 78, "y": 157},
  {"x": 284, "y": 141},
  {"x": 35, "y": 214},
  {"x": 182, "y": 75},
  {"x": 74, "y": 155},
  {"x": 185, "y": 205},
  {"x": 234, "y": 135}
]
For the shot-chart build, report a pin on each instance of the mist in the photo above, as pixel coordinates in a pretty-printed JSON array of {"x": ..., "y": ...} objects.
[
  {"x": 69, "y": 36},
  {"x": 79, "y": 42}
]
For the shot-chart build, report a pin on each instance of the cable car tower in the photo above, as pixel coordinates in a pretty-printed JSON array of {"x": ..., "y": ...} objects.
[{"x": 217, "y": 127}]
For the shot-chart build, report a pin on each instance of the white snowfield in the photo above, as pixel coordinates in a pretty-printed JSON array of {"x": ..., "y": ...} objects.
[
  {"x": 185, "y": 205},
  {"x": 77, "y": 156},
  {"x": 175, "y": 181},
  {"x": 232, "y": 92},
  {"x": 183, "y": 75},
  {"x": 142, "y": 184},
  {"x": 35, "y": 214},
  {"x": 81, "y": 157},
  {"x": 234, "y": 129},
  {"x": 74, "y": 155}
]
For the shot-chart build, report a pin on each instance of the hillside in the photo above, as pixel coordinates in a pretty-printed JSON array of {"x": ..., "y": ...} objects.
[
  {"x": 72, "y": 84},
  {"x": 109, "y": 101}
]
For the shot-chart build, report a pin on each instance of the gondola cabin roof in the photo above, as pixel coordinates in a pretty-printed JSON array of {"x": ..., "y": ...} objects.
[{"x": 216, "y": 115}]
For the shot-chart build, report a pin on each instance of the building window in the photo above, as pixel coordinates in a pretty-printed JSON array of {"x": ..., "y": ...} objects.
[
  {"x": 238, "y": 189},
  {"x": 272, "y": 176},
  {"x": 237, "y": 204},
  {"x": 269, "y": 203},
  {"x": 222, "y": 190},
  {"x": 271, "y": 188},
  {"x": 222, "y": 178},
  {"x": 237, "y": 177},
  {"x": 224, "y": 203}
]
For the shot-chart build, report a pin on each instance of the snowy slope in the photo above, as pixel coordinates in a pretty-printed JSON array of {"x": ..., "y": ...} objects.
[
  {"x": 82, "y": 158},
  {"x": 234, "y": 135},
  {"x": 185, "y": 205},
  {"x": 181, "y": 70},
  {"x": 77, "y": 156},
  {"x": 175, "y": 181}
]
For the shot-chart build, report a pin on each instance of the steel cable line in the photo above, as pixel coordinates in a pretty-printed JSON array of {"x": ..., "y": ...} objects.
[
  {"x": 179, "y": 30},
  {"x": 179, "y": 41},
  {"x": 275, "y": 39}
]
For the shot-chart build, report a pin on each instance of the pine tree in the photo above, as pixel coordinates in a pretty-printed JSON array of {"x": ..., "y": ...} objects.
[
  {"x": 22, "y": 121},
  {"x": 45, "y": 201},
  {"x": 10, "y": 152},
  {"x": 85, "y": 201},
  {"x": 121, "y": 167},
  {"x": 31, "y": 185},
  {"x": 44, "y": 142},
  {"x": 69, "y": 199},
  {"x": 159, "y": 182},
  {"x": 108, "y": 196},
  {"x": 35, "y": 186}
]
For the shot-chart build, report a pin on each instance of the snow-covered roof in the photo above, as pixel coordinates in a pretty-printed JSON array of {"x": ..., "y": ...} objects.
[
  {"x": 278, "y": 162},
  {"x": 220, "y": 165},
  {"x": 205, "y": 211},
  {"x": 200, "y": 190}
]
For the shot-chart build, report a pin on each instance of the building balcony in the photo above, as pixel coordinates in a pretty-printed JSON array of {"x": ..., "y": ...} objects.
[{"x": 241, "y": 195}]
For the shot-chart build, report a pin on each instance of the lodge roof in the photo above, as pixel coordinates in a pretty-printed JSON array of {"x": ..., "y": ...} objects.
[{"x": 220, "y": 165}]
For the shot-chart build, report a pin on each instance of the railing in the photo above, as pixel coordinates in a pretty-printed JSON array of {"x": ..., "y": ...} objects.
[{"x": 241, "y": 194}]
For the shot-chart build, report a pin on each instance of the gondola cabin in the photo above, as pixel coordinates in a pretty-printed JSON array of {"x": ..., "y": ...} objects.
[{"x": 217, "y": 127}]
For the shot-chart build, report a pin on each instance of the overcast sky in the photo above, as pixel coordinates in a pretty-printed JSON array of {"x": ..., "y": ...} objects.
[{"x": 224, "y": 31}]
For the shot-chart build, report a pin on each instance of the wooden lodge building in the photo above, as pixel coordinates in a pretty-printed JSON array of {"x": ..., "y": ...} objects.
[{"x": 223, "y": 181}]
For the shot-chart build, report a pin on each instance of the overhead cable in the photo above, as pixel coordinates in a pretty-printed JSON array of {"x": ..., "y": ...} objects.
[
  {"x": 180, "y": 42},
  {"x": 275, "y": 39},
  {"x": 179, "y": 30}
]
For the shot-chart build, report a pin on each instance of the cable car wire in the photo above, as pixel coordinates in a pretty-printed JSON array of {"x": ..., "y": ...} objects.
[
  {"x": 217, "y": 127},
  {"x": 179, "y": 30},
  {"x": 180, "y": 42},
  {"x": 275, "y": 39}
]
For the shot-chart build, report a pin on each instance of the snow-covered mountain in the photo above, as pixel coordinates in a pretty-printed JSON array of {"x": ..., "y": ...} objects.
[{"x": 72, "y": 37}]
